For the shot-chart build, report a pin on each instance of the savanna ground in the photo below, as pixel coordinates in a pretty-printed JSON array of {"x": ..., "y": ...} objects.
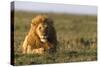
[{"x": 76, "y": 35}]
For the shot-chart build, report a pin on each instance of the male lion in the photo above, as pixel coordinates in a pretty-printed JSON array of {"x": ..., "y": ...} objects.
[{"x": 41, "y": 37}]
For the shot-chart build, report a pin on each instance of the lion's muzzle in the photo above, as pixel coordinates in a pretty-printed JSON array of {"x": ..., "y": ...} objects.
[{"x": 43, "y": 38}]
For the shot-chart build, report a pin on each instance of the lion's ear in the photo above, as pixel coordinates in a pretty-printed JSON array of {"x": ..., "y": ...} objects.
[
  {"x": 33, "y": 22},
  {"x": 50, "y": 21}
]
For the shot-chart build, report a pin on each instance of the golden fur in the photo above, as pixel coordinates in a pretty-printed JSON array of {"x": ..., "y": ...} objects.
[{"x": 36, "y": 42}]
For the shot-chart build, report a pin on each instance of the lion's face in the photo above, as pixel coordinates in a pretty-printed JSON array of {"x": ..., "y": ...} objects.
[{"x": 42, "y": 31}]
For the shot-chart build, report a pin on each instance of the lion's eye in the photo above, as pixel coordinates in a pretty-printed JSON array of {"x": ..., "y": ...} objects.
[
  {"x": 46, "y": 27},
  {"x": 39, "y": 27}
]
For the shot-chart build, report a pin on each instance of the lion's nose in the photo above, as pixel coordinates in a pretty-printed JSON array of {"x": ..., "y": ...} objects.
[
  {"x": 44, "y": 34},
  {"x": 43, "y": 29}
]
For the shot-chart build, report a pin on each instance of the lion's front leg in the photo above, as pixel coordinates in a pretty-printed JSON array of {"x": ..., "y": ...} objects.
[{"x": 24, "y": 46}]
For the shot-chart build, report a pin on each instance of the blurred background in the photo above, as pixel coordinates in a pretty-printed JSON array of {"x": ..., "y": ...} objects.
[{"x": 58, "y": 8}]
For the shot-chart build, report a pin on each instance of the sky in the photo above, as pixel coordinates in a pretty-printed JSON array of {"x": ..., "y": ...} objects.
[{"x": 58, "y": 8}]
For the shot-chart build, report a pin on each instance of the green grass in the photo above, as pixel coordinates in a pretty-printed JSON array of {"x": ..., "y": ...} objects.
[{"x": 76, "y": 35}]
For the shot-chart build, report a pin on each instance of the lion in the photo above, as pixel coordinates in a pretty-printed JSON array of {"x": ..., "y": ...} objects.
[{"x": 41, "y": 36}]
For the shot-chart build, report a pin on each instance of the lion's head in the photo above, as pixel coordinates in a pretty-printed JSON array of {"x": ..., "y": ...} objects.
[
  {"x": 42, "y": 27},
  {"x": 41, "y": 35}
]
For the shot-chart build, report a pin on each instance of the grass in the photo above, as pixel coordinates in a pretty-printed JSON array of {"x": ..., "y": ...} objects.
[{"x": 76, "y": 35}]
